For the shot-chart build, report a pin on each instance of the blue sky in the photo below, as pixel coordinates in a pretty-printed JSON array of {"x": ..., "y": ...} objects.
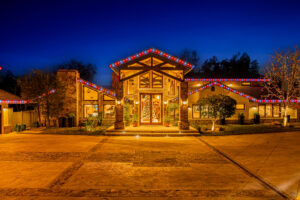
[{"x": 36, "y": 34}]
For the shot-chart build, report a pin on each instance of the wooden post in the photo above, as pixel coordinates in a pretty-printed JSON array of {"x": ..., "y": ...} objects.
[
  {"x": 119, "y": 123},
  {"x": 183, "y": 115}
]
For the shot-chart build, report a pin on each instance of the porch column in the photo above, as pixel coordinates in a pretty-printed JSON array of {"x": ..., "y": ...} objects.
[
  {"x": 183, "y": 115},
  {"x": 119, "y": 123}
]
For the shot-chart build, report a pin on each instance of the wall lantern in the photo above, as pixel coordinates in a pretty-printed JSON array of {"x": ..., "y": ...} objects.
[
  {"x": 137, "y": 102},
  {"x": 165, "y": 102},
  {"x": 184, "y": 102},
  {"x": 118, "y": 102}
]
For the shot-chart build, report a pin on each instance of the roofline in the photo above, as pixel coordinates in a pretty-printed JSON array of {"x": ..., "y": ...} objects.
[
  {"x": 149, "y": 51},
  {"x": 229, "y": 79},
  {"x": 242, "y": 94}
]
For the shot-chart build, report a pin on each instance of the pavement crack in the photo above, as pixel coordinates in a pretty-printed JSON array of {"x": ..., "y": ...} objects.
[{"x": 247, "y": 171}]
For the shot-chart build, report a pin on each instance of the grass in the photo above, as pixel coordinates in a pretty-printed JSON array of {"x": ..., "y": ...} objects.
[
  {"x": 234, "y": 129},
  {"x": 68, "y": 131}
]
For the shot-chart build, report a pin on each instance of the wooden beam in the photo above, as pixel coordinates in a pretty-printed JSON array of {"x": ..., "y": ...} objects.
[
  {"x": 168, "y": 75},
  {"x": 136, "y": 74}
]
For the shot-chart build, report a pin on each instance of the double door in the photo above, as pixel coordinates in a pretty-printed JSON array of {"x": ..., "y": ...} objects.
[{"x": 150, "y": 109}]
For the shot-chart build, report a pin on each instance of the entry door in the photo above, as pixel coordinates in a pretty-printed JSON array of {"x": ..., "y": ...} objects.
[{"x": 151, "y": 109}]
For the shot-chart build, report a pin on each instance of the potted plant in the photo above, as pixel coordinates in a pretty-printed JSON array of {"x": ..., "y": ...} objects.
[
  {"x": 135, "y": 120},
  {"x": 167, "y": 121},
  {"x": 256, "y": 118},
  {"x": 241, "y": 118}
]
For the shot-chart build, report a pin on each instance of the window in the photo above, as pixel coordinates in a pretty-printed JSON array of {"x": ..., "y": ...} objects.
[
  {"x": 240, "y": 106},
  {"x": 196, "y": 111},
  {"x": 90, "y": 94},
  {"x": 145, "y": 80},
  {"x": 261, "y": 110},
  {"x": 130, "y": 86},
  {"x": 108, "y": 111},
  {"x": 90, "y": 111},
  {"x": 246, "y": 84},
  {"x": 268, "y": 110},
  {"x": 157, "y": 80},
  {"x": 276, "y": 111},
  {"x": 204, "y": 112}
]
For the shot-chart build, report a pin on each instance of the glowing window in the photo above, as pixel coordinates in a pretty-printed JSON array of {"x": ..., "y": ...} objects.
[
  {"x": 276, "y": 111},
  {"x": 268, "y": 110},
  {"x": 196, "y": 111},
  {"x": 261, "y": 110},
  {"x": 109, "y": 111},
  {"x": 157, "y": 80},
  {"x": 145, "y": 80},
  {"x": 90, "y": 111},
  {"x": 240, "y": 106}
]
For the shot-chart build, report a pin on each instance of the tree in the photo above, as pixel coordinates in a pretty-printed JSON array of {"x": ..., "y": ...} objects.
[
  {"x": 8, "y": 82},
  {"x": 39, "y": 85},
  {"x": 87, "y": 71},
  {"x": 192, "y": 57},
  {"x": 283, "y": 72},
  {"x": 217, "y": 107}
]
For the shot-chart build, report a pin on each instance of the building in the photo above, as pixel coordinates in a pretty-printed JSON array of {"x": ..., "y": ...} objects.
[
  {"x": 152, "y": 86},
  {"x": 155, "y": 88}
]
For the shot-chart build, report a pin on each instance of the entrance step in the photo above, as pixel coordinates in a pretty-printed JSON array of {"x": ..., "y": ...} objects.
[{"x": 151, "y": 130}]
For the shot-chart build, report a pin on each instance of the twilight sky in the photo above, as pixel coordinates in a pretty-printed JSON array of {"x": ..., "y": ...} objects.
[{"x": 35, "y": 34}]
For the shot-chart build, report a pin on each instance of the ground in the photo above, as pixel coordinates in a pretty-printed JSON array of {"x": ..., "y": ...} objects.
[{"x": 261, "y": 166}]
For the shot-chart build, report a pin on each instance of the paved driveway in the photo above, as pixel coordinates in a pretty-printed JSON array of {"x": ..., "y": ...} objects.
[{"x": 87, "y": 167}]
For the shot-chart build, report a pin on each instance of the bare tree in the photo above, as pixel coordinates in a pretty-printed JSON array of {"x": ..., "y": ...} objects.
[{"x": 283, "y": 72}]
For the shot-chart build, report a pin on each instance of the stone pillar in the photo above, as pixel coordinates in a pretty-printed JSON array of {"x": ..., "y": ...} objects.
[
  {"x": 69, "y": 78},
  {"x": 119, "y": 123},
  {"x": 183, "y": 115}
]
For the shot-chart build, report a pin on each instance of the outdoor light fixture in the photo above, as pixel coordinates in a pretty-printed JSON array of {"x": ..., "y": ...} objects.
[
  {"x": 165, "y": 102},
  {"x": 198, "y": 85},
  {"x": 137, "y": 102},
  {"x": 119, "y": 102},
  {"x": 184, "y": 102}
]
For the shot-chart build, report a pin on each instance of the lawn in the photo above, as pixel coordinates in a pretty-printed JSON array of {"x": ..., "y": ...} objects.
[
  {"x": 67, "y": 131},
  {"x": 236, "y": 129}
]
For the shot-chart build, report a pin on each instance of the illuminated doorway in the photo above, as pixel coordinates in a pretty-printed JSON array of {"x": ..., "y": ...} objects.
[{"x": 151, "y": 109}]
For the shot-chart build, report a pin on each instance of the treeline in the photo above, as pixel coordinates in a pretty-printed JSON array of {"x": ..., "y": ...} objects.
[{"x": 238, "y": 66}]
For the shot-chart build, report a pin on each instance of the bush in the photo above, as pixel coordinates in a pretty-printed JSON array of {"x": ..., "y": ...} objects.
[{"x": 241, "y": 118}]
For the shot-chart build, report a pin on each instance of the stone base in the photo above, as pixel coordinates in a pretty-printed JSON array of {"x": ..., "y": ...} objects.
[
  {"x": 184, "y": 125},
  {"x": 119, "y": 125}
]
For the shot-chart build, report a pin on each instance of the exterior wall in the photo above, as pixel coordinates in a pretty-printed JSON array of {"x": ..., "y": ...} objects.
[
  {"x": 250, "y": 107},
  {"x": 71, "y": 103}
]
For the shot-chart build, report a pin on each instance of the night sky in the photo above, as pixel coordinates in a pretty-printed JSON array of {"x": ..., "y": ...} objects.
[{"x": 35, "y": 34}]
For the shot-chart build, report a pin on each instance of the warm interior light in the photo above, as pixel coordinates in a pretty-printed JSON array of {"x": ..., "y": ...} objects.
[
  {"x": 198, "y": 85},
  {"x": 157, "y": 96},
  {"x": 230, "y": 85}
]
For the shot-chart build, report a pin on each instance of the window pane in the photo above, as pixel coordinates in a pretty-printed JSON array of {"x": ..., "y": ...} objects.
[
  {"x": 156, "y": 108},
  {"x": 144, "y": 80},
  {"x": 240, "y": 106},
  {"x": 196, "y": 111},
  {"x": 145, "y": 108},
  {"x": 261, "y": 110},
  {"x": 90, "y": 110},
  {"x": 109, "y": 111},
  {"x": 157, "y": 80},
  {"x": 268, "y": 110},
  {"x": 275, "y": 110}
]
